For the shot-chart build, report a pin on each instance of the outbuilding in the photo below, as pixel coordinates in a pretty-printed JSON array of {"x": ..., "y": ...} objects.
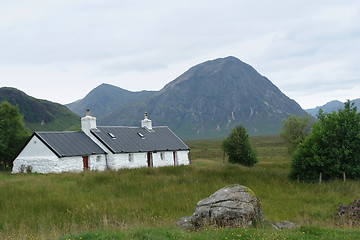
[{"x": 100, "y": 148}]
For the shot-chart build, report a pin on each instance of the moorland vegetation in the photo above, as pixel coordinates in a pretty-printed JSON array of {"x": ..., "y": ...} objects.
[{"x": 145, "y": 203}]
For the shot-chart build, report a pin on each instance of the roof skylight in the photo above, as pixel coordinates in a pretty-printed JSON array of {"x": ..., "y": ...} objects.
[
  {"x": 141, "y": 135},
  {"x": 112, "y": 135}
]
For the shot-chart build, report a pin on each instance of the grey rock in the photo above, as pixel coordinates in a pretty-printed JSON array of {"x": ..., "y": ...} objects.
[
  {"x": 230, "y": 207},
  {"x": 284, "y": 225},
  {"x": 185, "y": 223}
]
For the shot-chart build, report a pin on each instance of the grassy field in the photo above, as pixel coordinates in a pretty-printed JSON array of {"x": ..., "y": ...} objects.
[{"x": 145, "y": 203}]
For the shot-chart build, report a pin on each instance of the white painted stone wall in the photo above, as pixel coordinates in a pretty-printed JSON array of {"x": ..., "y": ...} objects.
[
  {"x": 97, "y": 162},
  {"x": 183, "y": 157},
  {"x": 38, "y": 164},
  {"x": 167, "y": 160},
  {"x": 37, "y": 155},
  {"x": 68, "y": 164},
  {"x": 58, "y": 165},
  {"x": 121, "y": 160},
  {"x": 43, "y": 160}
]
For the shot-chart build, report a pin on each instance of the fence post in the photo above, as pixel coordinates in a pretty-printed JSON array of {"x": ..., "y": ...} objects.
[
  {"x": 344, "y": 176},
  {"x": 320, "y": 177},
  {"x": 223, "y": 156}
]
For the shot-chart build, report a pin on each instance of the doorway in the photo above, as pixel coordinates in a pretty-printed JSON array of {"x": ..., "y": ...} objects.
[
  {"x": 149, "y": 159},
  {"x": 86, "y": 162},
  {"x": 175, "y": 158}
]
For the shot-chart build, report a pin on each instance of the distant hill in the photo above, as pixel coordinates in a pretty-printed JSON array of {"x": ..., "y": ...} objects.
[
  {"x": 332, "y": 106},
  {"x": 208, "y": 100},
  {"x": 106, "y": 98},
  {"x": 40, "y": 115}
]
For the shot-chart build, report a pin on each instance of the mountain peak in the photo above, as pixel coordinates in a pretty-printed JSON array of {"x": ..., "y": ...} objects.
[
  {"x": 209, "y": 99},
  {"x": 331, "y": 106},
  {"x": 217, "y": 69}
]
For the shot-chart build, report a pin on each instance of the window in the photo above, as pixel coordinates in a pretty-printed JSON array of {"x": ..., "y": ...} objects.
[
  {"x": 98, "y": 158},
  {"x": 162, "y": 156},
  {"x": 131, "y": 157}
]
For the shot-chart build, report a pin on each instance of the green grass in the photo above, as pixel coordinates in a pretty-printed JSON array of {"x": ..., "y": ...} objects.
[
  {"x": 249, "y": 233},
  {"x": 144, "y": 203}
]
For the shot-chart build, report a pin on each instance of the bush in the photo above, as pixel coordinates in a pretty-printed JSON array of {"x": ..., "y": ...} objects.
[
  {"x": 238, "y": 148},
  {"x": 331, "y": 149},
  {"x": 295, "y": 130},
  {"x": 29, "y": 169},
  {"x": 13, "y": 134}
]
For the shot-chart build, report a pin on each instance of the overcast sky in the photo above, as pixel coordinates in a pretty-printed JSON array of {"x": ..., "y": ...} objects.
[{"x": 60, "y": 50}]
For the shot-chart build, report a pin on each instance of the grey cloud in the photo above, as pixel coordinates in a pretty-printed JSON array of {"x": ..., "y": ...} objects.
[{"x": 294, "y": 43}]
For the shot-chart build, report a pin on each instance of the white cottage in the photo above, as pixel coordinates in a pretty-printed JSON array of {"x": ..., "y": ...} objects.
[{"x": 100, "y": 148}]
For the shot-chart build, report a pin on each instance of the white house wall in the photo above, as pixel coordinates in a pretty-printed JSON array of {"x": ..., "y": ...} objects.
[
  {"x": 42, "y": 160},
  {"x": 183, "y": 157},
  {"x": 35, "y": 154},
  {"x": 38, "y": 164},
  {"x": 97, "y": 162},
  {"x": 168, "y": 159},
  {"x": 68, "y": 164},
  {"x": 36, "y": 148},
  {"x": 57, "y": 165},
  {"x": 75, "y": 164},
  {"x": 121, "y": 160}
]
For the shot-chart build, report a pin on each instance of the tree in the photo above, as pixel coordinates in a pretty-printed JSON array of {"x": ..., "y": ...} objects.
[
  {"x": 333, "y": 147},
  {"x": 238, "y": 147},
  {"x": 12, "y": 133},
  {"x": 295, "y": 130}
]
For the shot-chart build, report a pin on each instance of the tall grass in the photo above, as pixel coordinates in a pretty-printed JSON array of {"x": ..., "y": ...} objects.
[{"x": 54, "y": 205}]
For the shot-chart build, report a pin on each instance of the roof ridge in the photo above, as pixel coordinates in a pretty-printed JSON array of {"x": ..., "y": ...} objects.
[{"x": 40, "y": 132}]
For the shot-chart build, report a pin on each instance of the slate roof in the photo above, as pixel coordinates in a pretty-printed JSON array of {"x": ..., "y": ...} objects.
[
  {"x": 136, "y": 139},
  {"x": 67, "y": 144}
]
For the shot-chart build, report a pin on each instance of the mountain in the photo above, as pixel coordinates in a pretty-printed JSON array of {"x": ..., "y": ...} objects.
[
  {"x": 40, "y": 115},
  {"x": 106, "y": 98},
  {"x": 209, "y": 99},
  {"x": 331, "y": 106}
]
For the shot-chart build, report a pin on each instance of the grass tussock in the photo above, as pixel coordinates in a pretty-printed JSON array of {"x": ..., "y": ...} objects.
[{"x": 149, "y": 200}]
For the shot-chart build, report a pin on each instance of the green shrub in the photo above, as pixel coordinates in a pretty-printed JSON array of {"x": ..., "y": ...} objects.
[
  {"x": 238, "y": 148},
  {"x": 295, "y": 130},
  {"x": 331, "y": 149}
]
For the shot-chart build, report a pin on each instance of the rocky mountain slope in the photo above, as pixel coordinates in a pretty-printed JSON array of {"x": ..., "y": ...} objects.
[
  {"x": 106, "y": 98},
  {"x": 208, "y": 100},
  {"x": 40, "y": 115}
]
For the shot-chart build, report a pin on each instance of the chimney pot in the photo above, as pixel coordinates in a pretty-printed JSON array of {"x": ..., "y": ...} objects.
[
  {"x": 146, "y": 122},
  {"x": 88, "y": 123}
]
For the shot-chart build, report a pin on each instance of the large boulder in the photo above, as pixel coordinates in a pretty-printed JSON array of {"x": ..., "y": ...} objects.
[{"x": 232, "y": 206}]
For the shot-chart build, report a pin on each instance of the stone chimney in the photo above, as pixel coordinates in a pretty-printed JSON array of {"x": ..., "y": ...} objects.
[
  {"x": 146, "y": 122},
  {"x": 88, "y": 122}
]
